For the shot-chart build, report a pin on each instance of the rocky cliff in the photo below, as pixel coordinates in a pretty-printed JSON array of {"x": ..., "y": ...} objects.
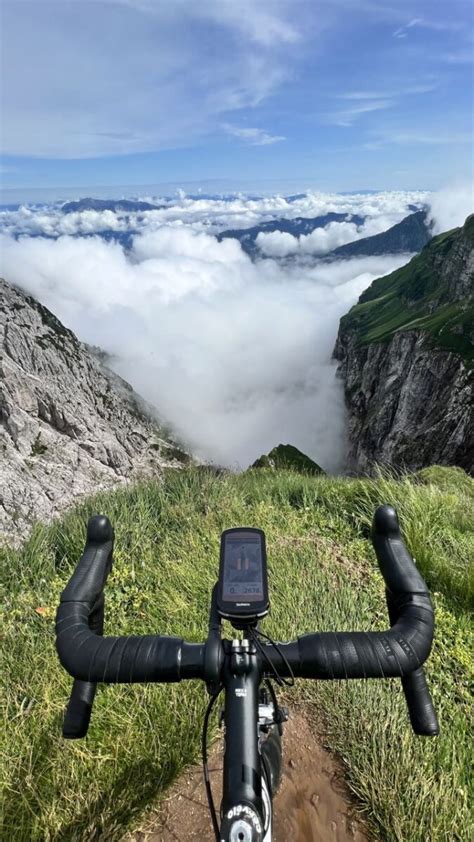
[
  {"x": 406, "y": 353},
  {"x": 68, "y": 425}
]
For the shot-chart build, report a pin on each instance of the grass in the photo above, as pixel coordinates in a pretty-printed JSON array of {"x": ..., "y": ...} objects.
[
  {"x": 323, "y": 576},
  {"x": 416, "y": 297}
]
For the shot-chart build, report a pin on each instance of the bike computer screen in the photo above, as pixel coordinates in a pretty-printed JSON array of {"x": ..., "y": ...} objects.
[{"x": 242, "y": 594}]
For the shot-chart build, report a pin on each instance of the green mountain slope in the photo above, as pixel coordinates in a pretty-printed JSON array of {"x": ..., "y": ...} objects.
[
  {"x": 322, "y": 576},
  {"x": 433, "y": 293},
  {"x": 287, "y": 457}
]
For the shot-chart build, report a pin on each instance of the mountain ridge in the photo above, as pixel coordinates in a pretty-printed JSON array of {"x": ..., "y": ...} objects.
[
  {"x": 409, "y": 235},
  {"x": 123, "y": 205},
  {"x": 300, "y": 225}
]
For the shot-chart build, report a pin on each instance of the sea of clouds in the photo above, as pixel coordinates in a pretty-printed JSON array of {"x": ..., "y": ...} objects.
[
  {"x": 234, "y": 353},
  {"x": 382, "y": 210}
]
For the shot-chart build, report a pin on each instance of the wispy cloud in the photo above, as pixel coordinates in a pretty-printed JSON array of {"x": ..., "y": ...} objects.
[
  {"x": 428, "y": 23},
  {"x": 253, "y": 136},
  {"x": 265, "y": 23},
  {"x": 430, "y": 138},
  {"x": 348, "y": 116},
  {"x": 402, "y": 31},
  {"x": 417, "y": 138},
  {"x": 172, "y": 91},
  {"x": 367, "y": 101},
  {"x": 463, "y": 56},
  {"x": 389, "y": 94}
]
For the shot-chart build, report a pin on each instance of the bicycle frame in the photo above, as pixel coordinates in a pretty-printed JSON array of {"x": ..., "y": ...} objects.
[{"x": 243, "y": 769}]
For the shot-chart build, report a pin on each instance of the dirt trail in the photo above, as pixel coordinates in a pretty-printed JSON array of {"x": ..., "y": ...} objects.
[{"x": 312, "y": 803}]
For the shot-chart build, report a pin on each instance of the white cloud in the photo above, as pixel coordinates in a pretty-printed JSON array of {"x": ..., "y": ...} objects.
[
  {"x": 348, "y": 116},
  {"x": 434, "y": 138},
  {"x": 318, "y": 242},
  {"x": 428, "y": 23},
  {"x": 277, "y": 243},
  {"x": 460, "y": 56},
  {"x": 450, "y": 206},
  {"x": 366, "y": 102},
  {"x": 323, "y": 240},
  {"x": 214, "y": 214},
  {"x": 422, "y": 88},
  {"x": 255, "y": 137},
  {"x": 236, "y": 355},
  {"x": 128, "y": 77},
  {"x": 264, "y": 23}
]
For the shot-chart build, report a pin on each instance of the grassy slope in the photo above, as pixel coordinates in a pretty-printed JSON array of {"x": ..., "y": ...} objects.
[
  {"x": 403, "y": 300},
  {"x": 322, "y": 577}
]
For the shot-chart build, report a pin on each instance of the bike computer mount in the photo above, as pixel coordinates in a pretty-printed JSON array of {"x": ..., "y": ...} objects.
[{"x": 242, "y": 589}]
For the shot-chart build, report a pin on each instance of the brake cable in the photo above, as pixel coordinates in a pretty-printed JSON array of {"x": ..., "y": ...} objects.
[
  {"x": 207, "y": 782},
  {"x": 255, "y": 634}
]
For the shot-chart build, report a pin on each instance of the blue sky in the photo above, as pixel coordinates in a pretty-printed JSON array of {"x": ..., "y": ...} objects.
[{"x": 328, "y": 94}]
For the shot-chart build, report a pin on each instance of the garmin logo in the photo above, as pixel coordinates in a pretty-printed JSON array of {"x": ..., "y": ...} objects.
[{"x": 243, "y": 604}]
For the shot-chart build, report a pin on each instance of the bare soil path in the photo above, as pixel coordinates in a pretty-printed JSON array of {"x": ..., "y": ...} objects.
[{"x": 312, "y": 803}]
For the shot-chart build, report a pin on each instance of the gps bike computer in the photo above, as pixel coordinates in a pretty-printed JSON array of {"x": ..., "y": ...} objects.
[{"x": 242, "y": 591}]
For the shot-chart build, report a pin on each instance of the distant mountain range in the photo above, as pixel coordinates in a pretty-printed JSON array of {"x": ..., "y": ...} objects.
[
  {"x": 299, "y": 226},
  {"x": 115, "y": 205},
  {"x": 409, "y": 235}
]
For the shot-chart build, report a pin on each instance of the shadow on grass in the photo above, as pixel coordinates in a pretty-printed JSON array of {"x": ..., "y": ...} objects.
[{"x": 33, "y": 792}]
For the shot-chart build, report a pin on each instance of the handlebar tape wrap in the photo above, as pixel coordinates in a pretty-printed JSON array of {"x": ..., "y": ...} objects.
[
  {"x": 88, "y": 656},
  {"x": 79, "y": 709},
  {"x": 420, "y": 706},
  {"x": 417, "y": 695},
  {"x": 398, "y": 652},
  {"x": 389, "y": 654}
]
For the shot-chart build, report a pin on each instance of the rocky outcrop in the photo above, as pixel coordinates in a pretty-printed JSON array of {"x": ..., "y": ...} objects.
[
  {"x": 409, "y": 405},
  {"x": 286, "y": 457},
  {"x": 68, "y": 425},
  {"x": 406, "y": 353}
]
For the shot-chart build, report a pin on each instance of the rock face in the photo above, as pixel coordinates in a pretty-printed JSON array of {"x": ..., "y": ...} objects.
[
  {"x": 406, "y": 353},
  {"x": 68, "y": 425}
]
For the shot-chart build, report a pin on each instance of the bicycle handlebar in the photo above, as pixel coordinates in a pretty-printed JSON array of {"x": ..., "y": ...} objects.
[{"x": 399, "y": 652}]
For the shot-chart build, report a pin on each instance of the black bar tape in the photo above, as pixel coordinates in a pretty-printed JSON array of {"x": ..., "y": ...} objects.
[
  {"x": 417, "y": 695},
  {"x": 87, "y": 582},
  {"x": 420, "y": 706},
  {"x": 395, "y": 562},
  {"x": 90, "y": 657},
  {"x": 79, "y": 709},
  {"x": 397, "y": 652}
]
